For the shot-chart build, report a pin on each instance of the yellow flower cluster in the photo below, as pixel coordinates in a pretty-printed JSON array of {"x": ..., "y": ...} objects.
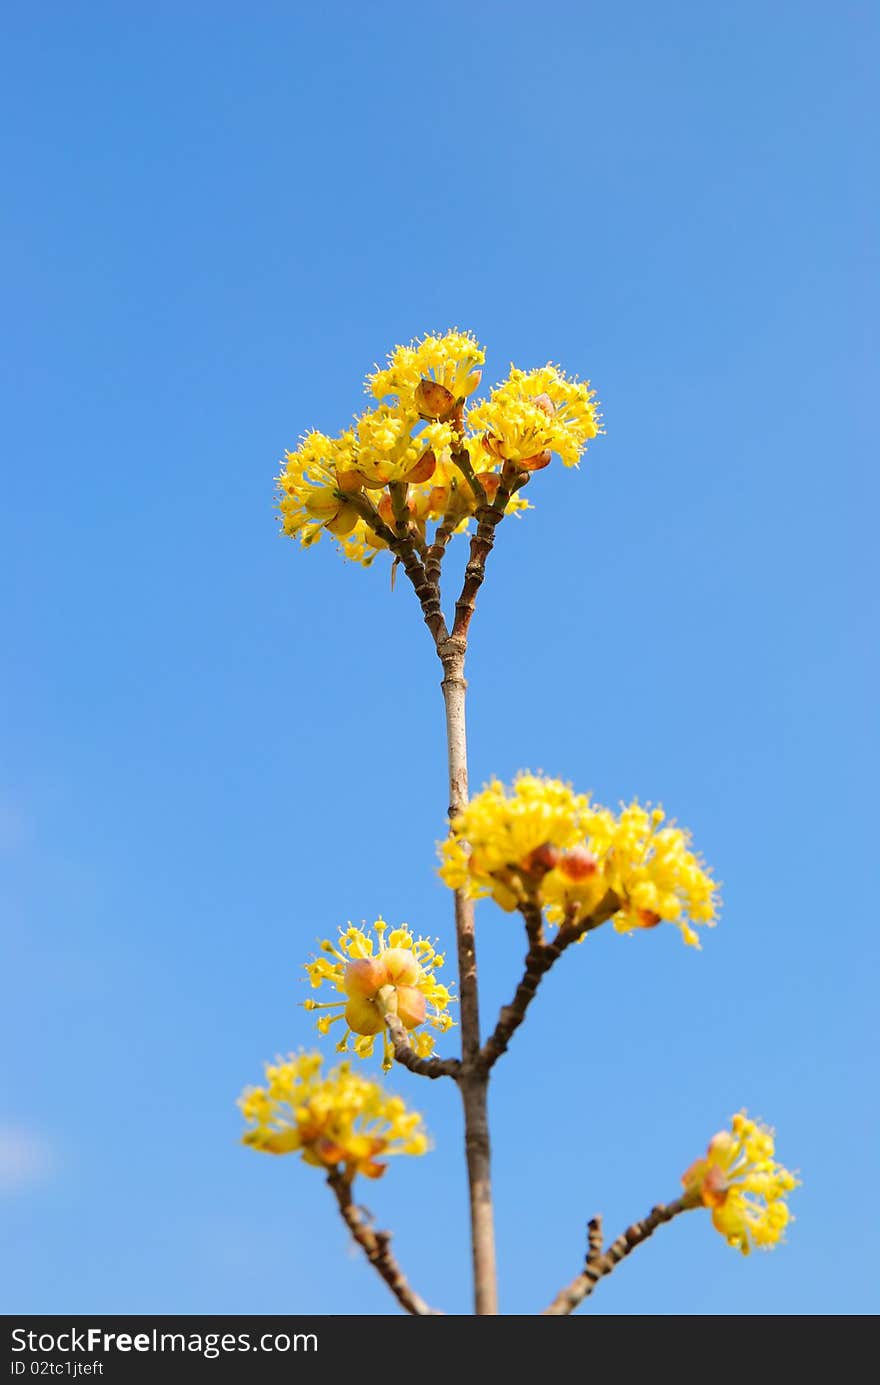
[
  {"x": 396, "y": 976},
  {"x": 533, "y": 414},
  {"x": 342, "y": 1121},
  {"x": 541, "y": 843},
  {"x": 419, "y": 440},
  {"x": 743, "y": 1185},
  {"x": 452, "y": 362}
]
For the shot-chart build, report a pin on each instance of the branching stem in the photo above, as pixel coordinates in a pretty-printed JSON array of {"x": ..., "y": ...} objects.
[
  {"x": 376, "y": 1245},
  {"x": 600, "y": 1263}
]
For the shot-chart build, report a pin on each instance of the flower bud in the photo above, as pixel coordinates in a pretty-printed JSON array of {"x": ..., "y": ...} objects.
[
  {"x": 411, "y": 1006},
  {"x": 363, "y": 1016},
  {"x": 401, "y": 966},
  {"x": 364, "y": 977},
  {"x": 545, "y": 404},
  {"x": 720, "y": 1143},
  {"x": 433, "y": 400},
  {"x": 578, "y": 863},
  {"x": 542, "y": 859},
  {"x": 471, "y": 382},
  {"x": 715, "y": 1187},
  {"x": 386, "y": 510}
]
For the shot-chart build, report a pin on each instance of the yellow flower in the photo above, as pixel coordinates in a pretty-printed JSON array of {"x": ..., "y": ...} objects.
[
  {"x": 743, "y": 1185},
  {"x": 341, "y": 1121},
  {"x": 541, "y": 843},
  {"x": 393, "y": 977},
  {"x": 387, "y": 450},
  {"x": 533, "y": 414},
  {"x": 316, "y": 490},
  {"x": 418, "y": 439},
  {"x": 452, "y": 361}
]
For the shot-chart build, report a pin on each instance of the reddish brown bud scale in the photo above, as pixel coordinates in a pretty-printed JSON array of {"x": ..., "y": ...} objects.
[
  {"x": 538, "y": 461},
  {"x": 490, "y": 481},
  {"x": 439, "y": 499},
  {"x": 578, "y": 863},
  {"x": 434, "y": 400},
  {"x": 542, "y": 859},
  {"x": 424, "y": 468}
]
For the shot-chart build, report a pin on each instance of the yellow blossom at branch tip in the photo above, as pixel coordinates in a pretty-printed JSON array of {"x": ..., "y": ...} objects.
[
  {"x": 540, "y": 843},
  {"x": 387, "y": 448},
  {"x": 533, "y": 414},
  {"x": 392, "y": 973},
  {"x": 413, "y": 459},
  {"x": 341, "y": 1121},
  {"x": 452, "y": 361},
  {"x": 743, "y": 1185}
]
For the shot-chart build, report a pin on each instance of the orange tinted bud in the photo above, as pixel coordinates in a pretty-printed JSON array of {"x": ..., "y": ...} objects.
[
  {"x": 371, "y": 1169},
  {"x": 542, "y": 859},
  {"x": 490, "y": 444},
  {"x": 578, "y": 864},
  {"x": 328, "y": 1152},
  {"x": 545, "y": 404},
  {"x": 424, "y": 468},
  {"x": 538, "y": 462},
  {"x": 490, "y": 481},
  {"x": 714, "y": 1188},
  {"x": 434, "y": 400},
  {"x": 363, "y": 1016},
  {"x": 364, "y": 977},
  {"x": 401, "y": 967},
  {"x": 648, "y": 919},
  {"x": 411, "y": 1006}
]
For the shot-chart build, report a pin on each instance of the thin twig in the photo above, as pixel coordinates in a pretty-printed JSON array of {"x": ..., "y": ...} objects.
[
  {"x": 434, "y": 557},
  {"x": 600, "y": 1263},
  {"x": 402, "y": 544},
  {"x": 424, "y": 1067},
  {"x": 473, "y": 1077},
  {"x": 482, "y": 542},
  {"x": 539, "y": 959},
  {"x": 376, "y": 1245}
]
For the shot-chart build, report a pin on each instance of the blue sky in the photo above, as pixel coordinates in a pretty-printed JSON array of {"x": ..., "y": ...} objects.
[{"x": 217, "y": 218}]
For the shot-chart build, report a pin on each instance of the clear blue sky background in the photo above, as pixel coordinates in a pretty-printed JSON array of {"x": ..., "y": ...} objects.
[{"x": 216, "y": 747}]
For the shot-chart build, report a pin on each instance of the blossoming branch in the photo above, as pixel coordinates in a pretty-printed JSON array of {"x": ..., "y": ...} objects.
[{"x": 428, "y": 462}]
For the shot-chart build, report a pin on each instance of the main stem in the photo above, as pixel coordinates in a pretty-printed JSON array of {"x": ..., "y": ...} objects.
[{"x": 473, "y": 1079}]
